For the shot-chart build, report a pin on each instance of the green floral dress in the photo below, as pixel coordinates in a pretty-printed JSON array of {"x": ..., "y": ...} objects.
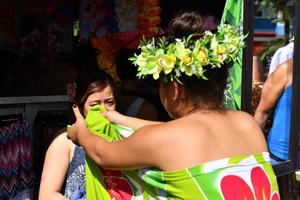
[{"x": 240, "y": 177}]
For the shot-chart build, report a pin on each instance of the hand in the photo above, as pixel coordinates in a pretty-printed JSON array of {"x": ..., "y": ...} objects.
[
  {"x": 113, "y": 116},
  {"x": 78, "y": 194},
  {"x": 73, "y": 130}
]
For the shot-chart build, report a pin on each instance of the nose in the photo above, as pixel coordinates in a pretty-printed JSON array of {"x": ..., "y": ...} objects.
[{"x": 103, "y": 105}]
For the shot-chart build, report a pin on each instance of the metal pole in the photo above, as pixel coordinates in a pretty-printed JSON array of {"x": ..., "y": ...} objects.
[
  {"x": 295, "y": 109},
  {"x": 246, "y": 87}
]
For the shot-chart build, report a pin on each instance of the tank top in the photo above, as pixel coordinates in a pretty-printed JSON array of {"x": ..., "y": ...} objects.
[
  {"x": 76, "y": 173},
  {"x": 279, "y": 135}
]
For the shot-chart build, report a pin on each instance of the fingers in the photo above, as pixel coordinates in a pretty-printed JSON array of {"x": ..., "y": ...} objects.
[
  {"x": 107, "y": 115},
  {"x": 72, "y": 134},
  {"x": 104, "y": 114},
  {"x": 76, "y": 112}
]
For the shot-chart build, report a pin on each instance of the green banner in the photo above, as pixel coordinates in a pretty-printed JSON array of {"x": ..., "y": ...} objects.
[{"x": 233, "y": 15}]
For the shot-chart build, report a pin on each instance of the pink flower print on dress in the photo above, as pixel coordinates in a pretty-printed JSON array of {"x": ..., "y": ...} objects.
[
  {"x": 117, "y": 186},
  {"x": 235, "y": 188}
]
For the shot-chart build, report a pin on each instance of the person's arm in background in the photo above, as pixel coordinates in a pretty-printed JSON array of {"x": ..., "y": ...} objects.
[
  {"x": 131, "y": 122},
  {"x": 271, "y": 91},
  {"x": 55, "y": 168}
]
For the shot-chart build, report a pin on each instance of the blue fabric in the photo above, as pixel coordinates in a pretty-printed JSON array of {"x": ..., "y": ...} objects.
[
  {"x": 79, "y": 194},
  {"x": 279, "y": 135},
  {"x": 75, "y": 181}
]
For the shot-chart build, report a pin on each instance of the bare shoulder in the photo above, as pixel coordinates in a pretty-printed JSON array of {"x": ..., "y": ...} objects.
[
  {"x": 282, "y": 71},
  {"x": 244, "y": 119},
  {"x": 242, "y": 114},
  {"x": 61, "y": 141},
  {"x": 158, "y": 133},
  {"x": 247, "y": 126}
]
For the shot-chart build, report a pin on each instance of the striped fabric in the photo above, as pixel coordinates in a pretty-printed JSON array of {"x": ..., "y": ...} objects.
[{"x": 16, "y": 174}]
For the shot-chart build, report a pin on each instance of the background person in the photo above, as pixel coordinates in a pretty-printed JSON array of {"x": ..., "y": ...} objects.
[
  {"x": 281, "y": 55},
  {"x": 133, "y": 93},
  {"x": 276, "y": 94}
]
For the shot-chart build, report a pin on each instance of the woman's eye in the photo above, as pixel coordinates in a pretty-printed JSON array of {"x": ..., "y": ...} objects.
[{"x": 111, "y": 102}]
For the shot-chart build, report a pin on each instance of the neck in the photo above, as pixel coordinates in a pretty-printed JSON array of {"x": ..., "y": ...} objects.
[{"x": 199, "y": 109}]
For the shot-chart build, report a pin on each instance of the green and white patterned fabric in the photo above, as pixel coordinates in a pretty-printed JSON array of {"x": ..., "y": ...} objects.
[{"x": 239, "y": 177}]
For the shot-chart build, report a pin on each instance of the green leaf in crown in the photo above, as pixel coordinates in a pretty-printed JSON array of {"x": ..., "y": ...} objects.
[{"x": 187, "y": 56}]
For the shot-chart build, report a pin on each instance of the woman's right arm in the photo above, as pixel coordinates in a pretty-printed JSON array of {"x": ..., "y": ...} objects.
[
  {"x": 131, "y": 122},
  {"x": 55, "y": 168},
  {"x": 271, "y": 91}
]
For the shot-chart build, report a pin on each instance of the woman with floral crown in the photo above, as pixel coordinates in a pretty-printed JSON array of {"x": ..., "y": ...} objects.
[{"x": 206, "y": 152}]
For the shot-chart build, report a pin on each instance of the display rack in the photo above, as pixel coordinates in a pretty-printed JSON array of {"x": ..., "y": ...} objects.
[{"x": 29, "y": 106}]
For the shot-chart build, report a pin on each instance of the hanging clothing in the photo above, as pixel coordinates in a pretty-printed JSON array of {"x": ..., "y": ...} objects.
[{"x": 16, "y": 170}]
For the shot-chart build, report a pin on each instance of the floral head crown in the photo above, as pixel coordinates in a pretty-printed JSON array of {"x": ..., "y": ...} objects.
[{"x": 188, "y": 56}]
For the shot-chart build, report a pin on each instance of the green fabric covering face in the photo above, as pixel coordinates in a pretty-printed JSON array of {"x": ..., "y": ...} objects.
[
  {"x": 233, "y": 15},
  {"x": 251, "y": 175},
  {"x": 99, "y": 125}
]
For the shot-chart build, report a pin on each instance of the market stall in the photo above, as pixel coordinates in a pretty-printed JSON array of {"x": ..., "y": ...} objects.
[{"x": 41, "y": 42}]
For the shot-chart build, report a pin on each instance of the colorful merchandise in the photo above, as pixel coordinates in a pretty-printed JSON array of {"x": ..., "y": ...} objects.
[{"x": 16, "y": 169}]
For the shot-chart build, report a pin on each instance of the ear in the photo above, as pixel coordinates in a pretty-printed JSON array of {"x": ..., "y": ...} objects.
[{"x": 177, "y": 90}]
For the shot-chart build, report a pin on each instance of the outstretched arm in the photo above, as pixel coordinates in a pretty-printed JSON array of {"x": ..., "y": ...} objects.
[
  {"x": 132, "y": 122},
  {"x": 271, "y": 91},
  {"x": 125, "y": 154}
]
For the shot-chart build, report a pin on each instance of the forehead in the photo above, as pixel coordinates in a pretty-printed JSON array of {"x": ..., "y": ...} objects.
[{"x": 103, "y": 94}]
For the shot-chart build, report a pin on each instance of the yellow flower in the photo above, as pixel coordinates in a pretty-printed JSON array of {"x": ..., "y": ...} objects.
[
  {"x": 202, "y": 57},
  {"x": 167, "y": 62},
  {"x": 221, "y": 49},
  {"x": 141, "y": 60},
  {"x": 186, "y": 59},
  {"x": 185, "y": 56}
]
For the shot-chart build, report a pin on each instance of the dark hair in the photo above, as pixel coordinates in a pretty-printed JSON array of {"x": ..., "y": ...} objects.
[
  {"x": 207, "y": 92},
  {"x": 89, "y": 83},
  {"x": 186, "y": 24}
]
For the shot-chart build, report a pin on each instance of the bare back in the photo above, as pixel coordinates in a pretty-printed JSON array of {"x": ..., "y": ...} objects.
[{"x": 201, "y": 138}]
